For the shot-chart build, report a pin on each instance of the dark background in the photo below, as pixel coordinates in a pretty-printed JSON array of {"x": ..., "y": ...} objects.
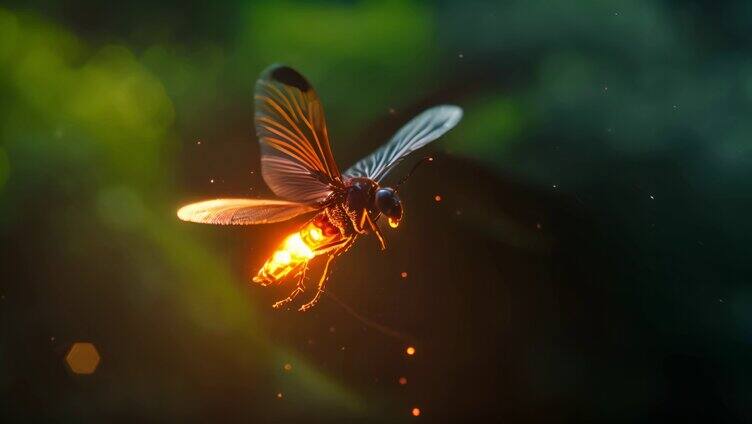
[{"x": 588, "y": 260}]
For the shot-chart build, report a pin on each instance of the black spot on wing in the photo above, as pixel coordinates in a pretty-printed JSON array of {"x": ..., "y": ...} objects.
[{"x": 288, "y": 76}]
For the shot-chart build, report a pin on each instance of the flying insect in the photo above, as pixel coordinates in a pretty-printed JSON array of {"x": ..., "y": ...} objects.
[{"x": 298, "y": 165}]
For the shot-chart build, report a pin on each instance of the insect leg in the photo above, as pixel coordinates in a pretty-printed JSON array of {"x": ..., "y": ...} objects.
[
  {"x": 299, "y": 288},
  {"x": 361, "y": 224},
  {"x": 377, "y": 231},
  {"x": 325, "y": 275},
  {"x": 320, "y": 288}
]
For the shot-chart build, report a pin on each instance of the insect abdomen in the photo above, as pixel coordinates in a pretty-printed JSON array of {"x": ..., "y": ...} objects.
[{"x": 297, "y": 249}]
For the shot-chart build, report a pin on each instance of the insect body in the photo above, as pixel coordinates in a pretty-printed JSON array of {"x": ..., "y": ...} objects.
[{"x": 298, "y": 165}]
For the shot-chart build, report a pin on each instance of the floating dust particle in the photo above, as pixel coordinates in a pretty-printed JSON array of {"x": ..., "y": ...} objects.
[
  {"x": 402, "y": 381},
  {"x": 279, "y": 395},
  {"x": 416, "y": 411},
  {"x": 538, "y": 226},
  {"x": 403, "y": 274},
  {"x": 287, "y": 367},
  {"x": 410, "y": 350},
  {"x": 437, "y": 198},
  {"x": 211, "y": 180}
]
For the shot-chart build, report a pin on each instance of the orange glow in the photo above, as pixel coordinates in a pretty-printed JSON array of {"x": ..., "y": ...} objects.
[
  {"x": 279, "y": 395},
  {"x": 410, "y": 350},
  {"x": 393, "y": 223},
  {"x": 82, "y": 358},
  {"x": 404, "y": 274},
  {"x": 402, "y": 381},
  {"x": 437, "y": 198},
  {"x": 282, "y": 257},
  {"x": 316, "y": 234},
  {"x": 287, "y": 367},
  {"x": 294, "y": 252},
  {"x": 416, "y": 412}
]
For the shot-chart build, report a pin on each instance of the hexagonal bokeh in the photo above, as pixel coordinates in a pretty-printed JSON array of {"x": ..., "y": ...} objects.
[{"x": 82, "y": 358}]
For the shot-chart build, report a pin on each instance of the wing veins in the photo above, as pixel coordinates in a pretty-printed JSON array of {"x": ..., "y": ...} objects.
[
  {"x": 284, "y": 115},
  {"x": 286, "y": 148}
]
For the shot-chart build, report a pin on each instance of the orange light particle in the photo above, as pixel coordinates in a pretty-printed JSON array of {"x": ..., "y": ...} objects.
[
  {"x": 402, "y": 381},
  {"x": 416, "y": 412},
  {"x": 404, "y": 274},
  {"x": 279, "y": 395},
  {"x": 410, "y": 350},
  {"x": 287, "y": 367},
  {"x": 437, "y": 198},
  {"x": 82, "y": 358}
]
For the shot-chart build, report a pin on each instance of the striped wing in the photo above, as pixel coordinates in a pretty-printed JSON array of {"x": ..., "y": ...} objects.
[
  {"x": 296, "y": 158},
  {"x": 241, "y": 211},
  {"x": 423, "y": 129}
]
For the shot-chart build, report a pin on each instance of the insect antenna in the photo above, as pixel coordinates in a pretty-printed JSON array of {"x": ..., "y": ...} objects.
[
  {"x": 420, "y": 162},
  {"x": 368, "y": 322}
]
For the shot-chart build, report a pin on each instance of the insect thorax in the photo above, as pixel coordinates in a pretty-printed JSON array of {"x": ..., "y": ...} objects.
[{"x": 336, "y": 215}]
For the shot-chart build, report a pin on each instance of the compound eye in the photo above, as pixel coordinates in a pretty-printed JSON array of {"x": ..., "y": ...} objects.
[{"x": 389, "y": 203}]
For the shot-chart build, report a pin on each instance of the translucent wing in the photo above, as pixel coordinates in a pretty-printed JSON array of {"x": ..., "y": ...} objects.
[
  {"x": 423, "y": 129},
  {"x": 241, "y": 211},
  {"x": 296, "y": 159}
]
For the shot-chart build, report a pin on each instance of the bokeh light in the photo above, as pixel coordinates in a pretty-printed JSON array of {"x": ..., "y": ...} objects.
[
  {"x": 410, "y": 350},
  {"x": 82, "y": 358}
]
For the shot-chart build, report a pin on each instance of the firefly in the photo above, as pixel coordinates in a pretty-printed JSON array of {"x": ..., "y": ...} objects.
[{"x": 298, "y": 165}]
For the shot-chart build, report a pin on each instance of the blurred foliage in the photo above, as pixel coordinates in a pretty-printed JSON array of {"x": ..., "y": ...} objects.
[
  {"x": 604, "y": 157},
  {"x": 91, "y": 126}
]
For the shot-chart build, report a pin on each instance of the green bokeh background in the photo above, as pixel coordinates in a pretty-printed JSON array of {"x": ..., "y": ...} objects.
[{"x": 589, "y": 260}]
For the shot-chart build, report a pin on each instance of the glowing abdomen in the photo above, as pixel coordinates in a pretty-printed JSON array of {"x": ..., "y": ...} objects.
[{"x": 297, "y": 249}]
